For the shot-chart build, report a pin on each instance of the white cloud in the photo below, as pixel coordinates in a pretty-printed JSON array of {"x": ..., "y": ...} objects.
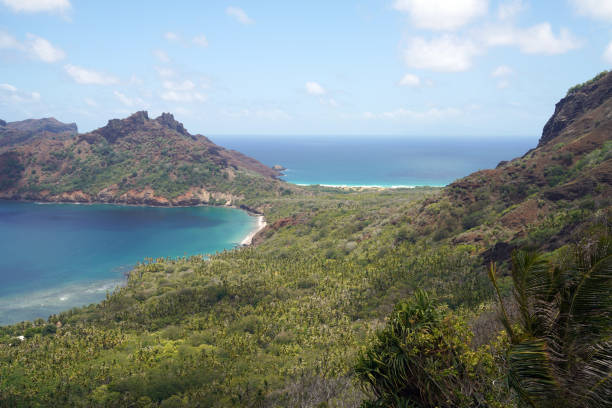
[
  {"x": 446, "y": 53},
  {"x": 170, "y": 36},
  {"x": 161, "y": 55},
  {"x": 43, "y": 49},
  {"x": 8, "y": 87},
  {"x": 502, "y": 71},
  {"x": 10, "y": 94},
  {"x": 402, "y": 113},
  {"x": 540, "y": 39},
  {"x": 34, "y": 6},
  {"x": 239, "y": 14},
  {"x": 86, "y": 76},
  {"x": 314, "y": 88},
  {"x": 186, "y": 85},
  {"x": 441, "y": 14},
  {"x": 90, "y": 102},
  {"x": 607, "y": 55},
  {"x": 503, "y": 84},
  {"x": 200, "y": 40},
  {"x": 510, "y": 9},
  {"x": 537, "y": 39},
  {"x": 410, "y": 80},
  {"x": 136, "y": 80},
  {"x": 596, "y": 9},
  {"x": 124, "y": 99},
  {"x": 7, "y": 41},
  {"x": 37, "y": 47},
  {"x": 267, "y": 114},
  {"x": 164, "y": 72},
  {"x": 178, "y": 96},
  {"x": 181, "y": 91}
]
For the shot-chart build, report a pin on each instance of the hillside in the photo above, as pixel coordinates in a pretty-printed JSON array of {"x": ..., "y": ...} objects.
[
  {"x": 541, "y": 199},
  {"x": 26, "y": 131},
  {"x": 282, "y": 323},
  {"x": 136, "y": 160}
]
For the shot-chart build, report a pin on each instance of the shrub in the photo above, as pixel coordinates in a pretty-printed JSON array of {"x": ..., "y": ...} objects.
[{"x": 422, "y": 358}]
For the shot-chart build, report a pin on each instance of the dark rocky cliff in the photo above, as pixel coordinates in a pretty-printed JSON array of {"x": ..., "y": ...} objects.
[{"x": 580, "y": 99}]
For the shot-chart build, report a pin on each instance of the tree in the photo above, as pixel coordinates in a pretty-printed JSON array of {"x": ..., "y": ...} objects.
[
  {"x": 422, "y": 358},
  {"x": 560, "y": 345}
]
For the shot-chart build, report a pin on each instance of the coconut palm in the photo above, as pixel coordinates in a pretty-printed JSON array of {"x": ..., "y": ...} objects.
[{"x": 560, "y": 351}]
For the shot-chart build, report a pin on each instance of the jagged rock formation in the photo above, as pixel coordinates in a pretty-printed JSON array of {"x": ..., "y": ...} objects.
[
  {"x": 579, "y": 100},
  {"x": 136, "y": 160}
]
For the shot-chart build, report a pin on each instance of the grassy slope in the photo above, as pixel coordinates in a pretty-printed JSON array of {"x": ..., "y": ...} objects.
[{"x": 280, "y": 324}]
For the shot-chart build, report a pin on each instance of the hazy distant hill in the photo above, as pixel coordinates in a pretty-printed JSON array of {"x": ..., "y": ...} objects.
[
  {"x": 25, "y": 131},
  {"x": 136, "y": 160}
]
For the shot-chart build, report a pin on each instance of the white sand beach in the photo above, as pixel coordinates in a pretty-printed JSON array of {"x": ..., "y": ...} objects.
[{"x": 261, "y": 224}]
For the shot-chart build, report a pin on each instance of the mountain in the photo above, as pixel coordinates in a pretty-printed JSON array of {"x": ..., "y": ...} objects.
[
  {"x": 281, "y": 324},
  {"x": 17, "y": 133},
  {"x": 136, "y": 160},
  {"x": 543, "y": 197}
]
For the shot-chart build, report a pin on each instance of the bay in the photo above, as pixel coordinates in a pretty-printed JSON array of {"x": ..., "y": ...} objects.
[{"x": 57, "y": 256}]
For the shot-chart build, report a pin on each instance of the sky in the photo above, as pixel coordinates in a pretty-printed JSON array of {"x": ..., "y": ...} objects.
[{"x": 412, "y": 68}]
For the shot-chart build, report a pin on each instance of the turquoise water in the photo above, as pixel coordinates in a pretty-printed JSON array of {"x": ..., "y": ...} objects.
[
  {"x": 57, "y": 256},
  {"x": 378, "y": 160}
]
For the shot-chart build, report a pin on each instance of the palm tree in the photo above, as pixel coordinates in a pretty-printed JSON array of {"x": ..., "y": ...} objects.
[{"x": 560, "y": 352}]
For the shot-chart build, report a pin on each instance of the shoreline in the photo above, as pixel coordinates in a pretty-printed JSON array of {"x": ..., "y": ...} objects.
[
  {"x": 370, "y": 186},
  {"x": 261, "y": 224},
  {"x": 242, "y": 207}
]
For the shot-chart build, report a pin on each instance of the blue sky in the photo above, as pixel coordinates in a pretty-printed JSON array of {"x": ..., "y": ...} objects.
[{"x": 462, "y": 68}]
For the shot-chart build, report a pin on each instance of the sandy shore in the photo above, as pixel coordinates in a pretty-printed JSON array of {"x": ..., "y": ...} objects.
[{"x": 261, "y": 223}]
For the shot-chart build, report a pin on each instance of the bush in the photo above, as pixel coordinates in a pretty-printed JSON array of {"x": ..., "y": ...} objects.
[{"x": 422, "y": 358}]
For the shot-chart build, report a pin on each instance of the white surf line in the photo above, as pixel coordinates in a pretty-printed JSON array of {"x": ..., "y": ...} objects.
[{"x": 261, "y": 224}]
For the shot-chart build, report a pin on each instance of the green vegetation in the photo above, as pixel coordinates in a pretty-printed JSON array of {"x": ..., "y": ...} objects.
[
  {"x": 590, "y": 81},
  {"x": 350, "y": 297},
  {"x": 423, "y": 358},
  {"x": 559, "y": 354},
  {"x": 276, "y": 325}
]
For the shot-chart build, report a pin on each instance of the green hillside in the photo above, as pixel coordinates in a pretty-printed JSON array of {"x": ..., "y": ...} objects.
[{"x": 287, "y": 323}]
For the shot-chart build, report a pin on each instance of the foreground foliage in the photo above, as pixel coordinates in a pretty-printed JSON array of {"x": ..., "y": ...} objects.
[
  {"x": 560, "y": 353},
  {"x": 423, "y": 358}
]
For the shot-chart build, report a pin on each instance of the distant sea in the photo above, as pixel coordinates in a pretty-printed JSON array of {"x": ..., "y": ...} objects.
[
  {"x": 378, "y": 160},
  {"x": 57, "y": 256}
]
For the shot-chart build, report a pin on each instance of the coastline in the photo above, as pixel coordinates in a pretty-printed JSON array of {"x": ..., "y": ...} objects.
[
  {"x": 368, "y": 187},
  {"x": 261, "y": 224}
]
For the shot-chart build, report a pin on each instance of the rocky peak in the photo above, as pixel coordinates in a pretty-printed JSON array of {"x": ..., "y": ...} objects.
[
  {"x": 578, "y": 100},
  {"x": 167, "y": 120},
  {"x": 2, "y": 122},
  {"x": 117, "y": 128}
]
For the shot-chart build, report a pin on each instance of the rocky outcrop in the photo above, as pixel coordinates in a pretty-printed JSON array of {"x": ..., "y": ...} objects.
[
  {"x": 117, "y": 128},
  {"x": 111, "y": 195},
  {"x": 167, "y": 120},
  {"x": 578, "y": 101}
]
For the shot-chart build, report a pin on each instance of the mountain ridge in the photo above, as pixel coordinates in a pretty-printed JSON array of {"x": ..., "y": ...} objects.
[{"x": 135, "y": 160}]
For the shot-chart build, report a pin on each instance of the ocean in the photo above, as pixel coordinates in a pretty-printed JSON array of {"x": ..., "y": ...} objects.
[
  {"x": 57, "y": 256},
  {"x": 378, "y": 160}
]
